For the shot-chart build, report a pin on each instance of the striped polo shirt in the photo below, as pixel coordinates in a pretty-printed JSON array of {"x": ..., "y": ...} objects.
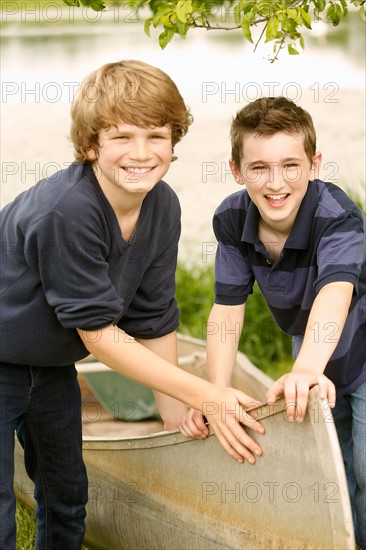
[{"x": 326, "y": 244}]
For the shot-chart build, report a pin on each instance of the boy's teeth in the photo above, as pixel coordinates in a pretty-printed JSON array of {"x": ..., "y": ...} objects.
[
  {"x": 135, "y": 170},
  {"x": 277, "y": 197}
]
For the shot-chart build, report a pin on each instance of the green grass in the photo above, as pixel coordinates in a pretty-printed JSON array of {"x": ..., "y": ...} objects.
[
  {"x": 262, "y": 341},
  {"x": 26, "y": 528}
]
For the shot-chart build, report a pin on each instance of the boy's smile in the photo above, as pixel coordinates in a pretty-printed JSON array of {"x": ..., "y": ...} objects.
[
  {"x": 131, "y": 160},
  {"x": 276, "y": 170}
]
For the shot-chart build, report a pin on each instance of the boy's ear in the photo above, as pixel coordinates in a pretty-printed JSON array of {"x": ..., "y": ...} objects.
[
  {"x": 236, "y": 172},
  {"x": 91, "y": 154},
  {"x": 316, "y": 165}
]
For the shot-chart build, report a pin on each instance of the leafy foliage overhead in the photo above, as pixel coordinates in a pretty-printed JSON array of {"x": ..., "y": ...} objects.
[{"x": 280, "y": 22}]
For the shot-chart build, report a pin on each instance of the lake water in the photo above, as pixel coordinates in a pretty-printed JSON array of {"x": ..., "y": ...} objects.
[{"x": 44, "y": 58}]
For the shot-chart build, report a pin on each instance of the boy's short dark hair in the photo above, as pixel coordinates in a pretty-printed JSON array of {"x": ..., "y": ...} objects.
[
  {"x": 131, "y": 92},
  {"x": 267, "y": 116}
]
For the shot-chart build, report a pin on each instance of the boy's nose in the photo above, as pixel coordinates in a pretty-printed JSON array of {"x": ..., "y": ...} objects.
[
  {"x": 140, "y": 150},
  {"x": 276, "y": 178}
]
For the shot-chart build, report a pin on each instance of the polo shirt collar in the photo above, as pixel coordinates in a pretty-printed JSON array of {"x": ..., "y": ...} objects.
[
  {"x": 251, "y": 224},
  {"x": 301, "y": 231}
]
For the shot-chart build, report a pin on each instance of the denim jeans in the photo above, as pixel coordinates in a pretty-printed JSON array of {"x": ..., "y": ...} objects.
[
  {"x": 43, "y": 405},
  {"x": 350, "y": 420}
]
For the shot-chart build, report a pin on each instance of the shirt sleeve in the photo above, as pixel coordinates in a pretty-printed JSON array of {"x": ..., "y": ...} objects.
[
  {"x": 69, "y": 254},
  {"x": 341, "y": 251},
  {"x": 234, "y": 277}
]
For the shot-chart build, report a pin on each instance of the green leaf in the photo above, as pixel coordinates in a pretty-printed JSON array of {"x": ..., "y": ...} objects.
[
  {"x": 272, "y": 28},
  {"x": 344, "y": 6},
  {"x": 302, "y": 41},
  {"x": 96, "y": 5},
  {"x": 320, "y": 4},
  {"x": 166, "y": 19},
  {"x": 182, "y": 29},
  {"x": 249, "y": 6},
  {"x": 245, "y": 25},
  {"x": 292, "y": 50},
  {"x": 334, "y": 12},
  {"x": 265, "y": 9},
  {"x": 306, "y": 18},
  {"x": 250, "y": 14},
  {"x": 163, "y": 15},
  {"x": 72, "y": 3},
  {"x": 147, "y": 26},
  {"x": 293, "y": 14},
  {"x": 183, "y": 10},
  {"x": 165, "y": 37},
  {"x": 237, "y": 12}
]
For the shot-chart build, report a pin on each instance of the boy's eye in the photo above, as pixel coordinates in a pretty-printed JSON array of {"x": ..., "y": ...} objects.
[
  {"x": 259, "y": 168},
  {"x": 291, "y": 165}
]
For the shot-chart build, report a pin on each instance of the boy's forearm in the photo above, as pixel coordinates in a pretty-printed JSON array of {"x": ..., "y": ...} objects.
[
  {"x": 123, "y": 354},
  {"x": 224, "y": 327},
  {"x": 171, "y": 410},
  {"x": 324, "y": 328}
]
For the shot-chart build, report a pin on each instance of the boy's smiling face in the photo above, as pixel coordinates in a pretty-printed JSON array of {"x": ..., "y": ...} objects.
[
  {"x": 132, "y": 160},
  {"x": 276, "y": 170}
]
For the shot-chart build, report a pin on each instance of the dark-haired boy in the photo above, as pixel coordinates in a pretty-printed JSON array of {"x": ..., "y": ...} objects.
[{"x": 303, "y": 241}]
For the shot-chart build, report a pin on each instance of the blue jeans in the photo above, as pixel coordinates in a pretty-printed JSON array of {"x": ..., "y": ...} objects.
[
  {"x": 350, "y": 420},
  {"x": 43, "y": 405}
]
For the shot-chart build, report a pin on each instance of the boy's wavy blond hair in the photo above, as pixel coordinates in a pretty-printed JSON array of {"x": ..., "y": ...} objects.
[
  {"x": 131, "y": 92},
  {"x": 267, "y": 116}
]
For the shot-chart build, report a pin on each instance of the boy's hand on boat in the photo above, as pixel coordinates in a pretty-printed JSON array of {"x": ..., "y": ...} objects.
[
  {"x": 295, "y": 386},
  {"x": 225, "y": 412},
  {"x": 193, "y": 425}
]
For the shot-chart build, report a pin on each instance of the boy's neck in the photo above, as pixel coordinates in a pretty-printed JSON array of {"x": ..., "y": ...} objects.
[
  {"x": 122, "y": 202},
  {"x": 273, "y": 238}
]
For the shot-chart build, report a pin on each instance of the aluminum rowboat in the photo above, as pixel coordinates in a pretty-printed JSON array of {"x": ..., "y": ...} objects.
[{"x": 150, "y": 489}]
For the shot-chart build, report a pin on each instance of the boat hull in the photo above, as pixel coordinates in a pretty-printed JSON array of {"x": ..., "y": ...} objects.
[{"x": 163, "y": 491}]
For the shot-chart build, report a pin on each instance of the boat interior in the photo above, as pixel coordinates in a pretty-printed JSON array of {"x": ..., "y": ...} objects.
[
  {"x": 114, "y": 406},
  {"x": 99, "y": 422},
  {"x": 99, "y": 416}
]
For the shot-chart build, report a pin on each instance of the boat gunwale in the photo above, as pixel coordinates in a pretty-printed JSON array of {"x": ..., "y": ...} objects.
[{"x": 165, "y": 438}]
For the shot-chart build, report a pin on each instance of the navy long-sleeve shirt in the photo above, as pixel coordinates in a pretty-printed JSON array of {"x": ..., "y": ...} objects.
[{"x": 65, "y": 265}]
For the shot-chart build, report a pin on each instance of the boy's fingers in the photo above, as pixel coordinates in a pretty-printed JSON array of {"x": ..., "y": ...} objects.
[
  {"x": 244, "y": 417},
  {"x": 189, "y": 432},
  {"x": 237, "y": 443},
  {"x": 242, "y": 443},
  {"x": 327, "y": 390},
  {"x": 290, "y": 398},
  {"x": 200, "y": 423},
  {"x": 302, "y": 396},
  {"x": 275, "y": 391},
  {"x": 193, "y": 425},
  {"x": 189, "y": 429},
  {"x": 332, "y": 396},
  {"x": 296, "y": 389},
  {"x": 248, "y": 420},
  {"x": 226, "y": 423}
]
